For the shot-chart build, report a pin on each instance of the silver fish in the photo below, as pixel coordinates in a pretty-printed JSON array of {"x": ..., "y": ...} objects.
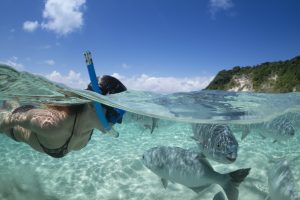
[
  {"x": 281, "y": 182},
  {"x": 191, "y": 170},
  {"x": 145, "y": 121},
  {"x": 284, "y": 127},
  {"x": 216, "y": 142},
  {"x": 279, "y": 129}
]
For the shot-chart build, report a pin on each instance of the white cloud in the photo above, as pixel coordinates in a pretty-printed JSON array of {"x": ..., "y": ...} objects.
[
  {"x": 142, "y": 82},
  {"x": 50, "y": 62},
  {"x": 30, "y": 26},
  {"x": 72, "y": 79},
  {"x": 63, "y": 17},
  {"x": 217, "y": 5},
  {"x": 125, "y": 66},
  {"x": 13, "y": 62},
  {"x": 164, "y": 84}
]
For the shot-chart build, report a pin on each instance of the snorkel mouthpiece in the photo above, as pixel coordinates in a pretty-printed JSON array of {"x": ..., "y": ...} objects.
[{"x": 98, "y": 107}]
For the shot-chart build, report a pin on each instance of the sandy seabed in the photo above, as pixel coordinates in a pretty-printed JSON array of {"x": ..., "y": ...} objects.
[{"x": 110, "y": 168}]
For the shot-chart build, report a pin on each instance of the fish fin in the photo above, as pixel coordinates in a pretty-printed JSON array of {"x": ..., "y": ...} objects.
[
  {"x": 199, "y": 189},
  {"x": 152, "y": 129},
  {"x": 164, "y": 182},
  {"x": 245, "y": 133},
  {"x": 154, "y": 124},
  {"x": 268, "y": 197},
  {"x": 231, "y": 186},
  {"x": 194, "y": 138},
  {"x": 219, "y": 196}
]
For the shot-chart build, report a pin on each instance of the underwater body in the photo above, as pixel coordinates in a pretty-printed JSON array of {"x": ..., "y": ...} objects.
[{"x": 266, "y": 128}]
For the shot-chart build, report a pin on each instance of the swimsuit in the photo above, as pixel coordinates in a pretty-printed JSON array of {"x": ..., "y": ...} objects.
[{"x": 61, "y": 151}]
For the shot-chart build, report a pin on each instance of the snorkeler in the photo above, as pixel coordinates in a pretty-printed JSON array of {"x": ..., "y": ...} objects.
[{"x": 57, "y": 130}]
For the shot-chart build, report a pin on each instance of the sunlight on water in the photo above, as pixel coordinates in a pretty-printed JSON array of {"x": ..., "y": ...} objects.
[{"x": 112, "y": 168}]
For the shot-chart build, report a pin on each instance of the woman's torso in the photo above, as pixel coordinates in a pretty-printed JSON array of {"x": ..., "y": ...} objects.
[{"x": 72, "y": 134}]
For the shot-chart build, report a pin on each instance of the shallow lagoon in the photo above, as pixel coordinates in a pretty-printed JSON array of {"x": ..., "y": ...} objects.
[{"x": 111, "y": 168}]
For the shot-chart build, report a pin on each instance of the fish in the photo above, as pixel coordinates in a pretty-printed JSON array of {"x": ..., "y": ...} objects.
[
  {"x": 279, "y": 129},
  {"x": 192, "y": 170},
  {"x": 281, "y": 182},
  {"x": 153, "y": 125},
  {"x": 294, "y": 117},
  {"x": 216, "y": 142},
  {"x": 145, "y": 121}
]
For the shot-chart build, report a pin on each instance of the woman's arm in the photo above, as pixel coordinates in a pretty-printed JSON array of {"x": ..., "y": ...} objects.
[{"x": 37, "y": 120}]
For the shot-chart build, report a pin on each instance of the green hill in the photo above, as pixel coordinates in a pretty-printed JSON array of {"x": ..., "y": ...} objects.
[{"x": 281, "y": 76}]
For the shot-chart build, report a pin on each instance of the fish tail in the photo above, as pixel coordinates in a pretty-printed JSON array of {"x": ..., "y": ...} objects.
[
  {"x": 231, "y": 185},
  {"x": 245, "y": 132},
  {"x": 219, "y": 196}
]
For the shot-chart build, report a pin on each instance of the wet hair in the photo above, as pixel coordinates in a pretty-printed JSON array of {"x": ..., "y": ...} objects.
[{"x": 109, "y": 85}]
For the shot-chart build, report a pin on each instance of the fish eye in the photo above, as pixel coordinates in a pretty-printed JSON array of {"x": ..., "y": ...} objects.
[{"x": 143, "y": 157}]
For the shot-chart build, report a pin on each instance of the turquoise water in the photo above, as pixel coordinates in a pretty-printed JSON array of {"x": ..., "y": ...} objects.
[{"x": 111, "y": 168}]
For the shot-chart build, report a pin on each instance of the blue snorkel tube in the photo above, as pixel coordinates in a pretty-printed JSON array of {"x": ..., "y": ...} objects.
[{"x": 98, "y": 107}]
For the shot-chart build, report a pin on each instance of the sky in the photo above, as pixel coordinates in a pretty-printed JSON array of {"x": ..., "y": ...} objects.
[{"x": 155, "y": 45}]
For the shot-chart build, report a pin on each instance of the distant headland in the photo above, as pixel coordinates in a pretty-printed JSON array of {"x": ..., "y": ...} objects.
[{"x": 279, "y": 76}]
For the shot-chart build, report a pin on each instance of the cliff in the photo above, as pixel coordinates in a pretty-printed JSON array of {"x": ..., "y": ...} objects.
[{"x": 280, "y": 76}]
